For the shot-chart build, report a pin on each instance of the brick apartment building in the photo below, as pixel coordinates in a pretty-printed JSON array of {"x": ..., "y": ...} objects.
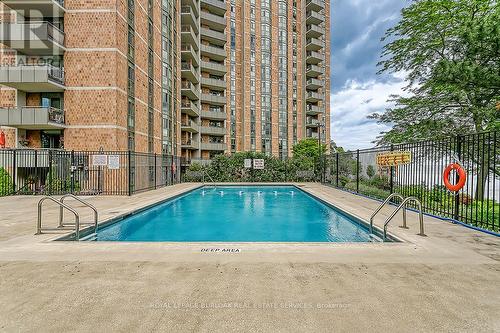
[{"x": 191, "y": 78}]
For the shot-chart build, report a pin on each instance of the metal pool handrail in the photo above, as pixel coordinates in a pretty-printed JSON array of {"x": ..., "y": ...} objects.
[
  {"x": 393, "y": 195},
  {"x": 62, "y": 205},
  {"x": 61, "y": 211},
  {"x": 402, "y": 205}
]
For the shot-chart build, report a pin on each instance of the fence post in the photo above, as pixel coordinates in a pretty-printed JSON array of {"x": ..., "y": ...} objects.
[
  {"x": 457, "y": 196},
  {"x": 391, "y": 175},
  {"x": 337, "y": 168},
  {"x": 357, "y": 171},
  {"x": 72, "y": 172},
  {"x": 50, "y": 172},
  {"x": 155, "y": 171},
  {"x": 14, "y": 171},
  {"x": 129, "y": 168}
]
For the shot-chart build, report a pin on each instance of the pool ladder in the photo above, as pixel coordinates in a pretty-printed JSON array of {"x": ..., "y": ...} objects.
[
  {"x": 402, "y": 205},
  {"x": 62, "y": 206}
]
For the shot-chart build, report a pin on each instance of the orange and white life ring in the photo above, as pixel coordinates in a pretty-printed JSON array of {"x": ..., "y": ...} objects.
[{"x": 462, "y": 177}]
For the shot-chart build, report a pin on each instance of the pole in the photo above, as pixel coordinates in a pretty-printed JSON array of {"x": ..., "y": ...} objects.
[
  {"x": 72, "y": 172},
  {"x": 155, "y": 171},
  {"x": 357, "y": 171},
  {"x": 319, "y": 152},
  {"x": 129, "y": 167},
  {"x": 14, "y": 171},
  {"x": 457, "y": 196},
  {"x": 391, "y": 175},
  {"x": 337, "y": 168}
]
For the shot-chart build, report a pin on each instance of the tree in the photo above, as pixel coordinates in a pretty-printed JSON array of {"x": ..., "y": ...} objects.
[
  {"x": 450, "y": 50},
  {"x": 308, "y": 148}
]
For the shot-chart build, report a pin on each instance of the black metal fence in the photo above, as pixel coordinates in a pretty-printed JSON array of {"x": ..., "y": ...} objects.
[
  {"x": 54, "y": 172},
  {"x": 365, "y": 172}
]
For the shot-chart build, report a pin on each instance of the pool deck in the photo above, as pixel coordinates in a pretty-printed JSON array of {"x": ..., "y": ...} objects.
[{"x": 447, "y": 281}]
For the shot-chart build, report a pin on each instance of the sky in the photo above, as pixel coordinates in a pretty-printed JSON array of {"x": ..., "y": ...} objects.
[{"x": 356, "y": 90}]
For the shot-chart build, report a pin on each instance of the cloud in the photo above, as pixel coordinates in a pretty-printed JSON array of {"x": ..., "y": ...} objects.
[
  {"x": 357, "y": 27},
  {"x": 357, "y": 91},
  {"x": 351, "y": 106}
]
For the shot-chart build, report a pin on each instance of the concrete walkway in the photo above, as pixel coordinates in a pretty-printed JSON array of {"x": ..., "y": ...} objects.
[{"x": 447, "y": 281}]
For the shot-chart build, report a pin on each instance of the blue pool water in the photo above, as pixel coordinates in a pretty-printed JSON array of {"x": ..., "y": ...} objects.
[{"x": 239, "y": 214}]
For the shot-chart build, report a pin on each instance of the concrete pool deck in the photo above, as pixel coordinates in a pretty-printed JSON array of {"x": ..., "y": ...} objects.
[{"x": 447, "y": 281}]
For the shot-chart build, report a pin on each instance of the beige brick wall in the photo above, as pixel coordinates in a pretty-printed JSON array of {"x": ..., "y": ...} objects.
[{"x": 96, "y": 75}]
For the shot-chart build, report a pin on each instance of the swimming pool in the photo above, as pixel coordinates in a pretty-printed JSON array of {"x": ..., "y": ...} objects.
[{"x": 239, "y": 214}]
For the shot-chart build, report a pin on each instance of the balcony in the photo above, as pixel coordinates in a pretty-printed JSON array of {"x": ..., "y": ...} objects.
[
  {"x": 190, "y": 108},
  {"x": 312, "y": 122},
  {"x": 188, "y": 17},
  {"x": 189, "y": 72},
  {"x": 189, "y": 90},
  {"x": 190, "y": 144},
  {"x": 313, "y": 57},
  {"x": 214, "y": 37},
  {"x": 214, "y": 84},
  {"x": 189, "y": 36},
  {"x": 189, "y": 54},
  {"x": 214, "y": 52},
  {"x": 215, "y": 6},
  {"x": 213, "y": 115},
  {"x": 33, "y": 78},
  {"x": 314, "y": 44},
  {"x": 314, "y": 71},
  {"x": 213, "y": 146},
  {"x": 39, "y": 118},
  {"x": 314, "y": 18},
  {"x": 44, "y": 8},
  {"x": 315, "y": 5},
  {"x": 314, "y": 84},
  {"x": 191, "y": 3},
  {"x": 313, "y": 110},
  {"x": 313, "y": 135},
  {"x": 213, "y": 68},
  {"x": 313, "y": 31},
  {"x": 313, "y": 97},
  {"x": 211, "y": 130},
  {"x": 35, "y": 38},
  {"x": 213, "y": 21},
  {"x": 213, "y": 99},
  {"x": 190, "y": 126}
]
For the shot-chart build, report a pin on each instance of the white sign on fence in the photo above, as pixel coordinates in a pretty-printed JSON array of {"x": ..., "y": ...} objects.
[
  {"x": 114, "y": 162},
  {"x": 99, "y": 160},
  {"x": 258, "y": 163},
  {"x": 248, "y": 163}
]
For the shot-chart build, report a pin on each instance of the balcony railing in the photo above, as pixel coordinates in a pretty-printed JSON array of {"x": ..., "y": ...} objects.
[
  {"x": 213, "y": 99},
  {"x": 33, "y": 38},
  {"x": 216, "y": 84},
  {"x": 212, "y": 130},
  {"x": 219, "y": 146},
  {"x": 213, "y": 67},
  {"x": 313, "y": 31},
  {"x": 213, "y": 36},
  {"x": 314, "y": 109},
  {"x": 216, "y": 6},
  {"x": 32, "y": 117},
  {"x": 37, "y": 8},
  {"x": 33, "y": 78},
  {"x": 213, "y": 21},
  {"x": 214, "y": 115}
]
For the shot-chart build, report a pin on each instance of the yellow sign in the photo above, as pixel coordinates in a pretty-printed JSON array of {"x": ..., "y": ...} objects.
[{"x": 393, "y": 158}]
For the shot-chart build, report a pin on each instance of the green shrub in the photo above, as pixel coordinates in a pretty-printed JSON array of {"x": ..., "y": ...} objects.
[
  {"x": 230, "y": 168},
  {"x": 5, "y": 182}
]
